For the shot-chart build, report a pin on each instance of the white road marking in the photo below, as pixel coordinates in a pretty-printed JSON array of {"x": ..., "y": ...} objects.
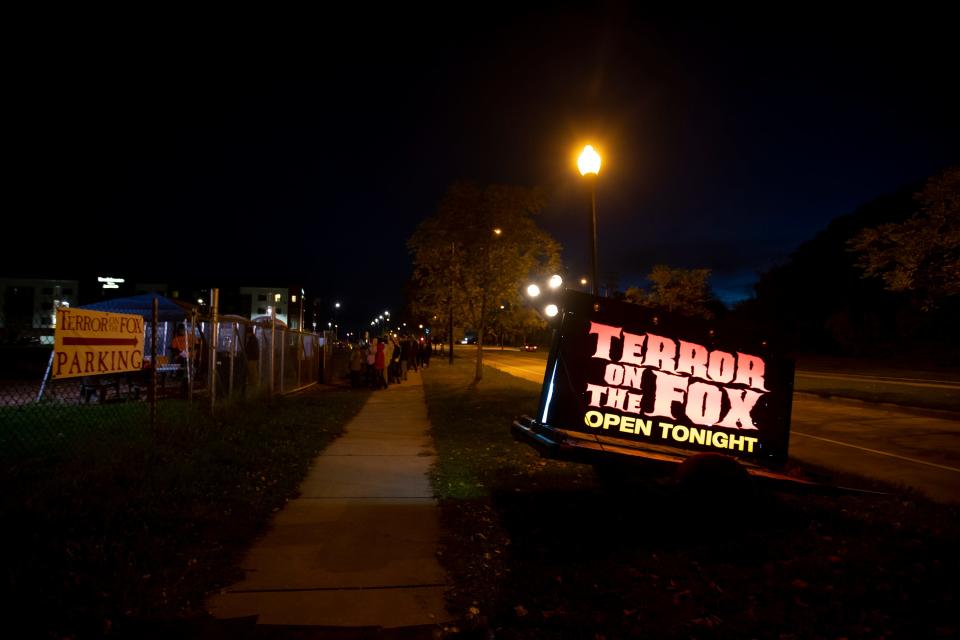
[
  {"x": 910, "y": 382},
  {"x": 882, "y": 453}
]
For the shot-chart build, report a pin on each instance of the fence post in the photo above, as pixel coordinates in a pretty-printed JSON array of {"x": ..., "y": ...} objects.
[
  {"x": 212, "y": 362},
  {"x": 273, "y": 346},
  {"x": 283, "y": 351},
  {"x": 233, "y": 348},
  {"x": 299, "y": 358},
  {"x": 259, "y": 386},
  {"x": 189, "y": 349},
  {"x": 153, "y": 364}
]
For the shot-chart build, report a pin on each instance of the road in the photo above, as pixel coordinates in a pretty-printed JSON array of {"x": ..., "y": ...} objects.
[{"x": 917, "y": 448}]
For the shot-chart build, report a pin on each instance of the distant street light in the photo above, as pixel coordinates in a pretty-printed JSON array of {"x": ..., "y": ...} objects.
[
  {"x": 589, "y": 165},
  {"x": 549, "y": 308}
]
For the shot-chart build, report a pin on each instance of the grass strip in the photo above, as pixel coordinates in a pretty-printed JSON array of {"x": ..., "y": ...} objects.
[
  {"x": 143, "y": 525},
  {"x": 540, "y": 549}
]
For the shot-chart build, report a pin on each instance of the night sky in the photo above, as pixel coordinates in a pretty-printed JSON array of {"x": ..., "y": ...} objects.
[{"x": 295, "y": 148}]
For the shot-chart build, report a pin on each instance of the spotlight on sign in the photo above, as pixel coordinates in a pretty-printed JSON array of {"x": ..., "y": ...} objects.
[
  {"x": 555, "y": 281},
  {"x": 533, "y": 291},
  {"x": 551, "y": 310}
]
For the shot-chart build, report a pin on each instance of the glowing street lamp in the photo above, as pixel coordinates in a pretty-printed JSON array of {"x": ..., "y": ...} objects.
[
  {"x": 589, "y": 165},
  {"x": 589, "y": 161},
  {"x": 550, "y": 308},
  {"x": 336, "y": 309}
]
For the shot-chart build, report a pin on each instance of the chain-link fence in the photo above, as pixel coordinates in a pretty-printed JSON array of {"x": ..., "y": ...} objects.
[{"x": 200, "y": 365}]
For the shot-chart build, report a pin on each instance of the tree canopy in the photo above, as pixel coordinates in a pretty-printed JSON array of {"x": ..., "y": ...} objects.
[
  {"x": 820, "y": 301},
  {"x": 920, "y": 255},
  {"x": 476, "y": 252},
  {"x": 684, "y": 291}
]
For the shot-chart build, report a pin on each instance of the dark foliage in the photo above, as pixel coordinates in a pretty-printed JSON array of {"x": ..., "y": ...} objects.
[{"x": 819, "y": 301}]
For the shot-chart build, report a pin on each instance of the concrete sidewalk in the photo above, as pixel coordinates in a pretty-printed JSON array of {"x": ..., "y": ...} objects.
[{"x": 358, "y": 547}]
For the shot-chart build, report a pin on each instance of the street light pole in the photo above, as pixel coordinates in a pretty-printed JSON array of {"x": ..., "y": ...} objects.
[
  {"x": 589, "y": 165},
  {"x": 592, "y": 178}
]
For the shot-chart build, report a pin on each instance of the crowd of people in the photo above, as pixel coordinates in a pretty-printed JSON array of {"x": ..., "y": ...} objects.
[{"x": 387, "y": 360}]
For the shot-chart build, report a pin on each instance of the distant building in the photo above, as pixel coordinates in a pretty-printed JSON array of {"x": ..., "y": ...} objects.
[
  {"x": 28, "y": 306},
  {"x": 258, "y": 301}
]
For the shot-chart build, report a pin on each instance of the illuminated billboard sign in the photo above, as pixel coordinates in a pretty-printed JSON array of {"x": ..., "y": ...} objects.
[
  {"x": 621, "y": 375},
  {"x": 89, "y": 343}
]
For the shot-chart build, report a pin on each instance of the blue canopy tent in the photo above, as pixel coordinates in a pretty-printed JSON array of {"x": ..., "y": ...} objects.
[
  {"x": 170, "y": 313},
  {"x": 169, "y": 310}
]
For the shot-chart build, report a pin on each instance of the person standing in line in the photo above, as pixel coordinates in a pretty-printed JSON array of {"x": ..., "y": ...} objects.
[
  {"x": 357, "y": 361},
  {"x": 380, "y": 365},
  {"x": 414, "y": 352},
  {"x": 404, "y": 357},
  {"x": 371, "y": 369},
  {"x": 388, "y": 354},
  {"x": 426, "y": 352}
]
